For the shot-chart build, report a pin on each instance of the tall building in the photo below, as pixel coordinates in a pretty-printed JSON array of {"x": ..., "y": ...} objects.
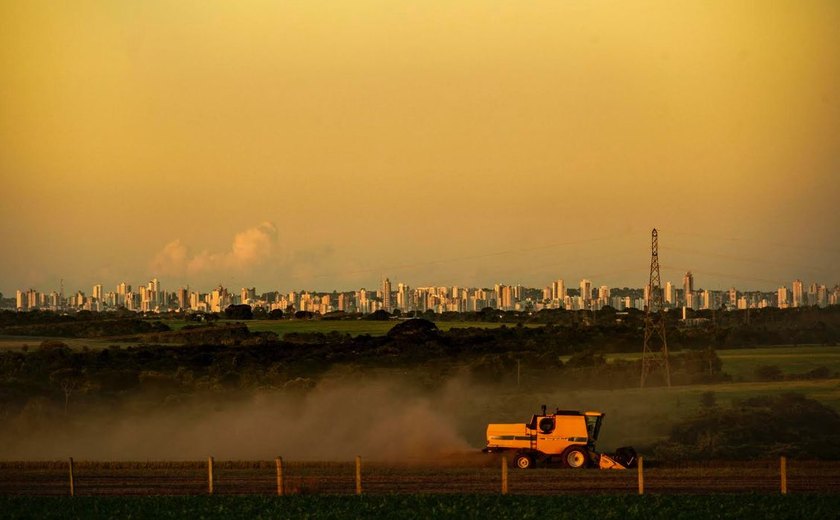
[
  {"x": 688, "y": 288},
  {"x": 504, "y": 297},
  {"x": 782, "y": 297},
  {"x": 558, "y": 291},
  {"x": 669, "y": 294},
  {"x": 183, "y": 298},
  {"x": 585, "y": 290},
  {"x": 386, "y": 295},
  {"x": 155, "y": 296},
  {"x": 796, "y": 293},
  {"x": 403, "y": 297},
  {"x": 604, "y": 295},
  {"x": 362, "y": 301},
  {"x": 248, "y": 295},
  {"x": 708, "y": 302},
  {"x": 822, "y": 296}
]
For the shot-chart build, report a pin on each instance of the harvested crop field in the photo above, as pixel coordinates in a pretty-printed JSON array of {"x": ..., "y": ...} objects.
[{"x": 336, "y": 478}]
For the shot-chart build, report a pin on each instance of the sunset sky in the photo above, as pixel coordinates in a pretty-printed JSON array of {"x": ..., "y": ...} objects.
[{"x": 322, "y": 145}]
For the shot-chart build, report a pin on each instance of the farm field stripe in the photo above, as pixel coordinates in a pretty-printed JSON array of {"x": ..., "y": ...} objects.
[{"x": 765, "y": 506}]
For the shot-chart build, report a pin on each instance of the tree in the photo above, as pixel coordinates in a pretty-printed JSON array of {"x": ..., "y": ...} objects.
[
  {"x": 68, "y": 379},
  {"x": 239, "y": 312},
  {"x": 379, "y": 315},
  {"x": 275, "y": 314}
]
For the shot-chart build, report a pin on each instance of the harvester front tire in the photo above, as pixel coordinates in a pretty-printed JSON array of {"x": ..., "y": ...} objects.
[
  {"x": 523, "y": 461},
  {"x": 576, "y": 457}
]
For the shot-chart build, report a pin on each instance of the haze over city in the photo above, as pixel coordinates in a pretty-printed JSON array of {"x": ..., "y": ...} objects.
[{"x": 323, "y": 145}]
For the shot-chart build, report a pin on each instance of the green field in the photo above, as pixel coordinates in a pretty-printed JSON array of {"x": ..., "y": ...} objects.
[
  {"x": 279, "y": 327},
  {"x": 352, "y": 327},
  {"x": 792, "y": 360},
  {"x": 765, "y": 506},
  {"x": 741, "y": 363},
  {"x": 32, "y": 342}
]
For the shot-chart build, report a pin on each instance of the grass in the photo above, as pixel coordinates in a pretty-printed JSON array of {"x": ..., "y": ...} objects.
[
  {"x": 351, "y": 327},
  {"x": 765, "y": 506},
  {"x": 741, "y": 363},
  {"x": 791, "y": 360}
]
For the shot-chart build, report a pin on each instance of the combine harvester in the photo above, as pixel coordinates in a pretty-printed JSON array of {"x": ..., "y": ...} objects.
[{"x": 565, "y": 435}]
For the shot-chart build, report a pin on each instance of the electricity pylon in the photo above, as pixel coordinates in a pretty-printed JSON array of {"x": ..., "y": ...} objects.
[{"x": 655, "y": 357}]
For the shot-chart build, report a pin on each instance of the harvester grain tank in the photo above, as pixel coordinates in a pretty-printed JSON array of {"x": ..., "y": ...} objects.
[{"x": 567, "y": 436}]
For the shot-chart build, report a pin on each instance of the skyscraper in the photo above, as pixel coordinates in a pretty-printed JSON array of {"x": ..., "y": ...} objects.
[
  {"x": 688, "y": 288},
  {"x": 796, "y": 293},
  {"x": 669, "y": 294},
  {"x": 386, "y": 295},
  {"x": 558, "y": 291},
  {"x": 782, "y": 297},
  {"x": 586, "y": 289}
]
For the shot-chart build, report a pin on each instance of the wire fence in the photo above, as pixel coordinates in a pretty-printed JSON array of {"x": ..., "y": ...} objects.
[{"x": 282, "y": 477}]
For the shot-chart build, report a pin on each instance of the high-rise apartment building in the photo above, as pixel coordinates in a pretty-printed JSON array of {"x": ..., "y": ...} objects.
[
  {"x": 669, "y": 294},
  {"x": 733, "y": 298},
  {"x": 403, "y": 297},
  {"x": 558, "y": 291},
  {"x": 183, "y": 298},
  {"x": 386, "y": 295},
  {"x": 796, "y": 294},
  {"x": 708, "y": 301},
  {"x": 604, "y": 295},
  {"x": 782, "y": 297},
  {"x": 585, "y": 290},
  {"x": 688, "y": 288}
]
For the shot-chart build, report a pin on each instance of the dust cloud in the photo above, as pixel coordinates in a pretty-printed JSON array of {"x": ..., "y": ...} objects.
[
  {"x": 337, "y": 420},
  {"x": 380, "y": 417}
]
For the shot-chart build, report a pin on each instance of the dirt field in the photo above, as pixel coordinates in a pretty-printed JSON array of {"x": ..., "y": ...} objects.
[{"x": 259, "y": 478}]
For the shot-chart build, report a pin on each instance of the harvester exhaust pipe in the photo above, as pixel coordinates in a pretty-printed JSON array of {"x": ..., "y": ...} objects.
[{"x": 543, "y": 409}]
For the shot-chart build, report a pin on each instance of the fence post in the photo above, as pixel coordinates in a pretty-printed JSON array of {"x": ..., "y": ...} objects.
[
  {"x": 279, "y": 463},
  {"x": 358, "y": 475},
  {"x": 210, "y": 475},
  {"x": 72, "y": 479},
  {"x": 784, "y": 475},
  {"x": 641, "y": 476},
  {"x": 504, "y": 475}
]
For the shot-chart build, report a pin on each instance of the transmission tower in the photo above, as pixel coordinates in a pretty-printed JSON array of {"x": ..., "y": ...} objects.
[{"x": 655, "y": 357}]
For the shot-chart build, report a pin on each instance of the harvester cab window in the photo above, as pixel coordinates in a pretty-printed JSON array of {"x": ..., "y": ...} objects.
[
  {"x": 593, "y": 426},
  {"x": 533, "y": 424},
  {"x": 547, "y": 425}
]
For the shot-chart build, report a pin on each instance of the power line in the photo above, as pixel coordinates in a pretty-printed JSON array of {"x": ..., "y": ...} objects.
[
  {"x": 762, "y": 261},
  {"x": 775, "y": 245},
  {"x": 416, "y": 265}
]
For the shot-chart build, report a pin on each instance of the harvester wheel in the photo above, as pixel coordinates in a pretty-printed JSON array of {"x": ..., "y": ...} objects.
[
  {"x": 576, "y": 457},
  {"x": 523, "y": 461}
]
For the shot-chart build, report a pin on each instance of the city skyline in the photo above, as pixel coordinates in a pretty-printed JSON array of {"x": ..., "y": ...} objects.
[
  {"x": 320, "y": 144},
  {"x": 154, "y": 297},
  {"x": 687, "y": 284}
]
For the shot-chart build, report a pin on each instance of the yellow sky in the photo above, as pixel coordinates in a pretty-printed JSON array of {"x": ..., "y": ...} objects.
[{"x": 320, "y": 145}]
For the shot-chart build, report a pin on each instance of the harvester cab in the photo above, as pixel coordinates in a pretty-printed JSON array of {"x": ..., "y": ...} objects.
[{"x": 567, "y": 436}]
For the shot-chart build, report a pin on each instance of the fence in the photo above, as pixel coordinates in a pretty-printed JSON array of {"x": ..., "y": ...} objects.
[{"x": 281, "y": 477}]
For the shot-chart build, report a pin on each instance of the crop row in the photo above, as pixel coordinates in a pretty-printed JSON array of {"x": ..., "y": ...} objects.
[{"x": 603, "y": 507}]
